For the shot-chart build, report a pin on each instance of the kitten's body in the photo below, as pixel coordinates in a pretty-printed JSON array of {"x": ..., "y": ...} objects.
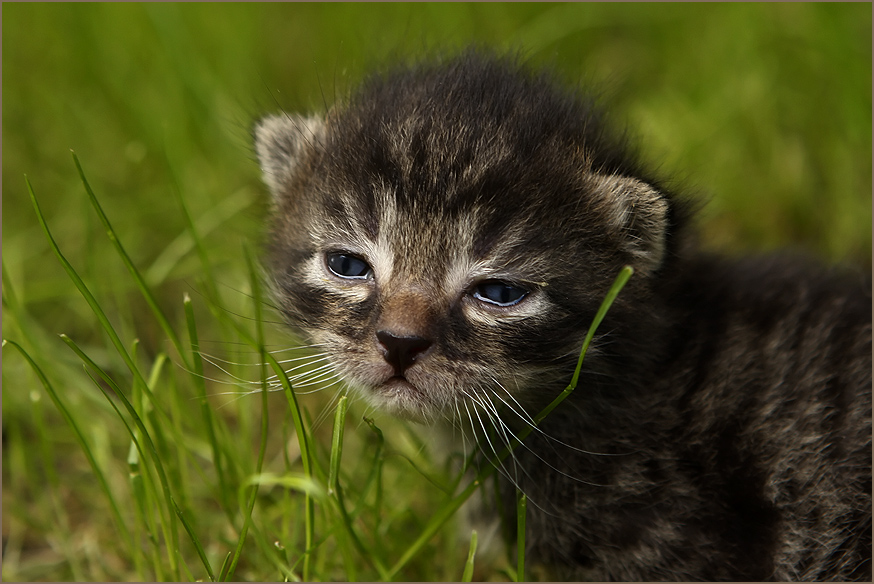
[
  {"x": 447, "y": 237},
  {"x": 744, "y": 449}
]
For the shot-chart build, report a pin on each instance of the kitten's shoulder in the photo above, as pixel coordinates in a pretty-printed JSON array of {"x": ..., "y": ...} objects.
[{"x": 766, "y": 288}]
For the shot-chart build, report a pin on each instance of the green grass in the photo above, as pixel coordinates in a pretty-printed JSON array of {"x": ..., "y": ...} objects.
[
  {"x": 120, "y": 444},
  {"x": 157, "y": 503},
  {"x": 203, "y": 505}
]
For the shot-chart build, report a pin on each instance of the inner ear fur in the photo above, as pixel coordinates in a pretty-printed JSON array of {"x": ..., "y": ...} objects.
[
  {"x": 640, "y": 214},
  {"x": 282, "y": 144}
]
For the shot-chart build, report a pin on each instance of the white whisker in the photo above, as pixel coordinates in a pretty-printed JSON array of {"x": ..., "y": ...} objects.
[
  {"x": 295, "y": 348},
  {"x": 526, "y": 417},
  {"x": 497, "y": 460},
  {"x": 318, "y": 378}
]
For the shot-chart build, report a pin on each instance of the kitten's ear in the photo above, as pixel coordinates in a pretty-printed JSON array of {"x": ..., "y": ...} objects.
[
  {"x": 640, "y": 213},
  {"x": 282, "y": 143}
]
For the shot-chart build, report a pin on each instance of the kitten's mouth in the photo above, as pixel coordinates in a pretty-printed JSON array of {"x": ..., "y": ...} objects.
[
  {"x": 401, "y": 398},
  {"x": 399, "y": 384}
]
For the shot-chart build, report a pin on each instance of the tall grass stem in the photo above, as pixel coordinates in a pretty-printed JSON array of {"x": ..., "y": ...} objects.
[
  {"x": 135, "y": 273},
  {"x": 119, "y": 346}
]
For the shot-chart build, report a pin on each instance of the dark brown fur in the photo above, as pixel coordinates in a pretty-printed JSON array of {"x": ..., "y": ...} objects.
[{"x": 722, "y": 425}]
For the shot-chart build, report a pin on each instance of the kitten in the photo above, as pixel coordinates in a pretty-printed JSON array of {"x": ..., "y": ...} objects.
[{"x": 447, "y": 236}]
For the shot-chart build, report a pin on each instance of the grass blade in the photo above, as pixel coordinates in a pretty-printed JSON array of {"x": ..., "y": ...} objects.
[
  {"x": 195, "y": 541},
  {"x": 138, "y": 490},
  {"x": 375, "y": 473},
  {"x": 297, "y": 482},
  {"x": 191, "y": 238},
  {"x": 618, "y": 284},
  {"x": 439, "y": 517},
  {"x": 337, "y": 444},
  {"x": 521, "y": 508},
  {"x": 471, "y": 553},
  {"x": 305, "y": 458},
  {"x": 223, "y": 573},
  {"x": 334, "y": 488},
  {"x": 141, "y": 283},
  {"x": 83, "y": 289},
  {"x": 259, "y": 327},
  {"x": 169, "y": 530},
  {"x": 206, "y": 411}
]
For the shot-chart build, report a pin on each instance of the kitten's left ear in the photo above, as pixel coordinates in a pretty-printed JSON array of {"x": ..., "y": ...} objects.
[
  {"x": 282, "y": 143},
  {"x": 640, "y": 213}
]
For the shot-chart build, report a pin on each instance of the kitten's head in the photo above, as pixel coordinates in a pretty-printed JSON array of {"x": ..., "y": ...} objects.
[{"x": 449, "y": 233}]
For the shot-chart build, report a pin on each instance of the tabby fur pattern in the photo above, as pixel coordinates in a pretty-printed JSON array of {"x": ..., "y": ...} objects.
[{"x": 446, "y": 235}]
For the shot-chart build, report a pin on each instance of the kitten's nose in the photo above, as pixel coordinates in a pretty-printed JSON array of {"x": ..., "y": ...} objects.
[{"x": 401, "y": 352}]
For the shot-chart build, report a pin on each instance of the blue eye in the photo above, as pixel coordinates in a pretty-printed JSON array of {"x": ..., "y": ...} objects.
[
  {"x": 499, "y": 293},
  {"x": 348, "y": 266}
]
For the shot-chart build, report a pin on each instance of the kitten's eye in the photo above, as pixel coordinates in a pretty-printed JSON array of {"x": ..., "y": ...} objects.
[
  {"x": 499, "y": 293},
  {"x": 348, "y": 266}
]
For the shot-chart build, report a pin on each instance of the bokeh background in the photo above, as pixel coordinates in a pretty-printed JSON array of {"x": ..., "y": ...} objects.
[{"x": 763, "y": 111}]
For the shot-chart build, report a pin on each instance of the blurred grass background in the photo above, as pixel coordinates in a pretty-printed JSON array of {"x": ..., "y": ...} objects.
[{"x": 764, "y": 110}]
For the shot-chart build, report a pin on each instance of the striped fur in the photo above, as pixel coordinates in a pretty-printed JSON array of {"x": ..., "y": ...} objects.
[{"x": 722, "y": 426}]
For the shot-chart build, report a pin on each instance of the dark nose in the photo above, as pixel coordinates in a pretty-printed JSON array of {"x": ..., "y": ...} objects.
[{"x": 401, "y": 352}]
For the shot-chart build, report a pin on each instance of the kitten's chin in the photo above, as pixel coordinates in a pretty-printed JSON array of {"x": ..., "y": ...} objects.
[{"x": 402, "y": 399}]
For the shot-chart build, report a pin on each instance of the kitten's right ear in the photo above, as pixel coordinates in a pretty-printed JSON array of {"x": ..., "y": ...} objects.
[{"x": 282, "y": 143}]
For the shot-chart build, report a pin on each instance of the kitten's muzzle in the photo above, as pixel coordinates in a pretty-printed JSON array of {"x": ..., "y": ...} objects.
[{"x": 401, "y": 351}]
